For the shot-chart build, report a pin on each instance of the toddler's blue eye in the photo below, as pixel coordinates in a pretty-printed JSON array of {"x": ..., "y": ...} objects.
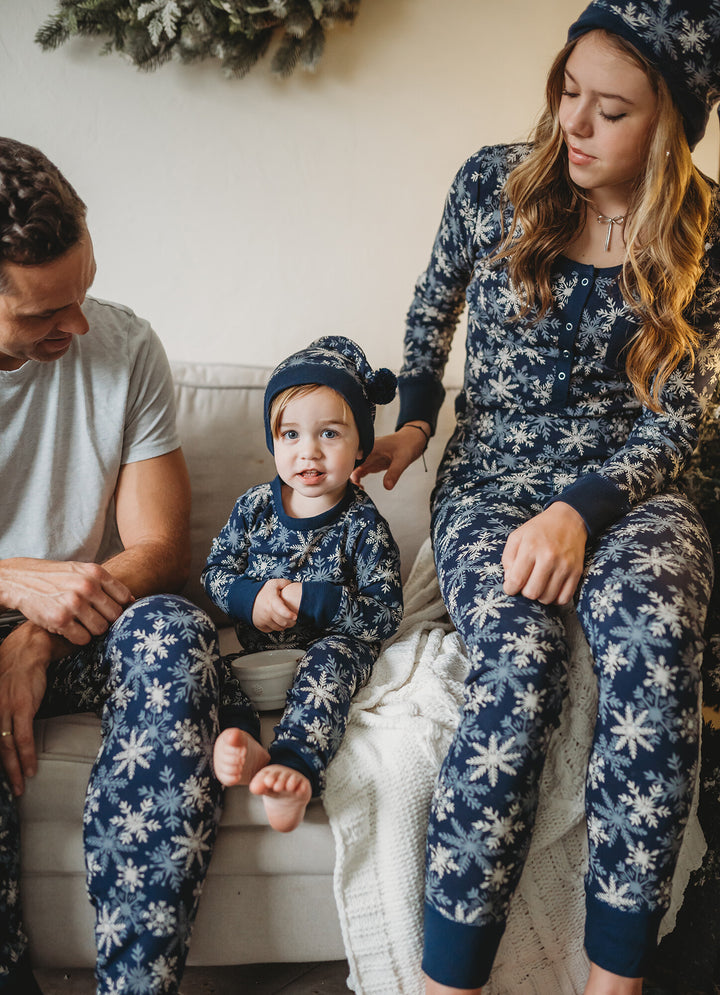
[
  {"x": 329, "y": 433},
  {"x": 290, "y": 435}
]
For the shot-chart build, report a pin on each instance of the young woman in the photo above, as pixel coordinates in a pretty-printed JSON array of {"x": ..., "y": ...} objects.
[{"x": 589, "y": 264}]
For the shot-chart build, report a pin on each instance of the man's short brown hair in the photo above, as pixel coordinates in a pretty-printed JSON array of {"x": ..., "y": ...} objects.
[{"x": 41, "y": 216}]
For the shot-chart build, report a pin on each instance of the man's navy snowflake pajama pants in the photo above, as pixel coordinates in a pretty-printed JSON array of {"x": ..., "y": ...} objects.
[
  {"x": 152, "y": 805},
  {"x": 642, "y": 604}
]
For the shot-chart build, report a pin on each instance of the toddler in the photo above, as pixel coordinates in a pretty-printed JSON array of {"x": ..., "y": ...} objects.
[{"x": 306, "y": 561}]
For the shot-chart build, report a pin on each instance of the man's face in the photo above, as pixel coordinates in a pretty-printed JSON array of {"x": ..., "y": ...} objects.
[{"x": 42, "y": 309}]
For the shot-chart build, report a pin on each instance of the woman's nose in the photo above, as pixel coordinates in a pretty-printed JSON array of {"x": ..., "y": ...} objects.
[{"x": 579, "y": 122}]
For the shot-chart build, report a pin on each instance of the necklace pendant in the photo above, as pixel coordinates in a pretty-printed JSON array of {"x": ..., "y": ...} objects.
[
  {"x": 602, "y": 219},
  {"x": 607, "y": 237}
]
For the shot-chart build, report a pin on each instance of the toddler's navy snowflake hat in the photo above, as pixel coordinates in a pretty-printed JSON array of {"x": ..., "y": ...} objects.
[
  {"x": 681, "y": 38},
  {"x": 336, "y": 362}
]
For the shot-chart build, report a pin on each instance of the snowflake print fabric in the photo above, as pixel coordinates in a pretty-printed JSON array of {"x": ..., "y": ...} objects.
[
  {"x": 349, "y": 566},
  {"x": 153, "y": 805},
  {"x": 546, "y": 412}
]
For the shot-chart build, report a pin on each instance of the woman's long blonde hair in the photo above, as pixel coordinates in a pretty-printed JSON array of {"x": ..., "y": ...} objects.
[{"x": 667, "y": 219}]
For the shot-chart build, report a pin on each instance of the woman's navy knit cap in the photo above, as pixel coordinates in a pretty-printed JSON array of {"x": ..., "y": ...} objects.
[
  {"x": 336, "y": 362},
  {"x": 681, "y": 38}
]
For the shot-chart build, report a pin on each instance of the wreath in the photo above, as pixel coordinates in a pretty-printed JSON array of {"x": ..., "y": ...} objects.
[{"x": 237, "y": 32}]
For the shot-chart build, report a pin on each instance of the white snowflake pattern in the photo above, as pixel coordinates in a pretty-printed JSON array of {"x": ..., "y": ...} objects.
[
  {"x": 157, "y": 695},
  {"x": 631, "y": 732},
  {"x": 155, "y": 644},
  {"x": 130, "y": 875},
  {"x": 493, "y": 759},
  {"x": 192, "y": 845},
  {"x": 618, "y": 898},
  {"x": 647, "y": 809},
  {"x": 109, "y": 929},
  {"x": 135, "y": 823},
  {"x": 441, "y": 861},
  {"x": 135, "y": 752}
]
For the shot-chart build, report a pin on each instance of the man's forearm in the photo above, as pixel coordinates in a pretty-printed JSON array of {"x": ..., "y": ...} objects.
[{"x": 152, "y": 567}]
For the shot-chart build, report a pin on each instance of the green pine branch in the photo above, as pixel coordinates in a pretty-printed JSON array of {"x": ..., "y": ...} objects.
[{"x": 237, "y": 32}]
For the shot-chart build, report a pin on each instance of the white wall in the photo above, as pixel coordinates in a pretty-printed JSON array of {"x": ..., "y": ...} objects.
[{"x": 245, "y": 217}]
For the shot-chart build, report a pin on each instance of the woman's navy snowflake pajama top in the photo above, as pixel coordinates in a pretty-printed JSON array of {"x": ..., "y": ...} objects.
[
  {"x": 547, "y": 412},
  {"x": 349, "y": 566}
]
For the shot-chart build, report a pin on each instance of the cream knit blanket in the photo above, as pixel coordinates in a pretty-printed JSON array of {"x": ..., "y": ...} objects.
[{"x": 378, "y": 795}]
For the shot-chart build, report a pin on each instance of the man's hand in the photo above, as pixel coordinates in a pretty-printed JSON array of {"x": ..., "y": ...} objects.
[
  {"x": 394, "y": 453},
  {"x": 74, "y": 600},
  {"x": 543, "y": 559},
  {"x": 271, "y": 612},
  {"x": 24, "y": 658}
]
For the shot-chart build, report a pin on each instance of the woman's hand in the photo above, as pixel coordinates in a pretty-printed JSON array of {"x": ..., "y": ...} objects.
[
  {"x": 271, "y": 612},
  {"x": 543, "y": 559},
  {"x": 394, "y": 453}
]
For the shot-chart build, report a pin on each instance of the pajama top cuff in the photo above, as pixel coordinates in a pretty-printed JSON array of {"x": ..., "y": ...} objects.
[
  {"x": 320, "y": 602},
  {"x": 597, "y": 500},
  {"x": 421, "y": 398},
  {"x": 241, "y": 598}
]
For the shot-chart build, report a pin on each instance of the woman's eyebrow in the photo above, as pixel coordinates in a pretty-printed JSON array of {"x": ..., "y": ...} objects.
[{"x": 609, "y": 96}]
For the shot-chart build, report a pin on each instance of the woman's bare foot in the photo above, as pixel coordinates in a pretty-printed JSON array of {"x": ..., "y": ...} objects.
[
  {"x": 285, "y": 794},
  {"x": 602, "y": 982},
  {"x": 435, "y": 988},
  {"x": 237, "y": 757}
]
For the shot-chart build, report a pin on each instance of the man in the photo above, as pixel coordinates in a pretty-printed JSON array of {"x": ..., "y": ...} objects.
[{"x": 94, "y": 508}]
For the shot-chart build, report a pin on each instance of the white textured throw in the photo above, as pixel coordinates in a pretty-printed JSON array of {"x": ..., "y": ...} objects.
[{"x": 378, "y": 795}]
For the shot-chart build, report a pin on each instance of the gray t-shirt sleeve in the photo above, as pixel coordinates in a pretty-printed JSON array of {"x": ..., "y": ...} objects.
[{"x": 150, "y": 419}]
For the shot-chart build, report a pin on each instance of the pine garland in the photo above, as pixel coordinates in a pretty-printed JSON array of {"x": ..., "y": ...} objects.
[{"x": 237, "y": 32}]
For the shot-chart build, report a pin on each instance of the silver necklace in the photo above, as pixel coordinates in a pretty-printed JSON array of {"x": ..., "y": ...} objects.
[{"x": 601, "y": 219}]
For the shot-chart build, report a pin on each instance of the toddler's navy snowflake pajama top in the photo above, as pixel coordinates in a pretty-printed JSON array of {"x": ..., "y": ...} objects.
[
  {"x": 349, "y": 566},
  {"x": 547, "y": 412}
]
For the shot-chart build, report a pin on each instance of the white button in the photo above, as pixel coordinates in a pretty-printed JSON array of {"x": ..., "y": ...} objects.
[
  {"x": 569, "y": 326},
  {"x": 561, "y": 376},
  {"x": 585, "y": 282}
]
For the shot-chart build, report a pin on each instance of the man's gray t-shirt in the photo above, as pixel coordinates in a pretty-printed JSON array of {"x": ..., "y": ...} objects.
[{"x": 66, "y": 428}]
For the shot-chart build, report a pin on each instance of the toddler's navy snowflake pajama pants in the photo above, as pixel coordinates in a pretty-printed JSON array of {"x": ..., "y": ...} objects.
[
  {"x": 316, "y": 711},
  {"x": 152, "y": 805},
  {"x": 642, "y": 604}
]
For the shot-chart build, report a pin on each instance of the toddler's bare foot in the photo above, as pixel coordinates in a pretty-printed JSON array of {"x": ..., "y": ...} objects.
[
  {"x": 237, "y": 757},
  {"x": 285, "y": 794}
]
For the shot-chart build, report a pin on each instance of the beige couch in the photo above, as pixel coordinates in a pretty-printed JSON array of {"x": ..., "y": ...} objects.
[{"x": 262, "y": 885}]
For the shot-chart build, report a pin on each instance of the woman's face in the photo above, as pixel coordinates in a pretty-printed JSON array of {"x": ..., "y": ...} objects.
[{"x": 607, "y": 115}]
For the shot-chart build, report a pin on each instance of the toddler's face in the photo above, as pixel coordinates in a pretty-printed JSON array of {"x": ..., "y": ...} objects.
[{"x": 316, "y": 449}]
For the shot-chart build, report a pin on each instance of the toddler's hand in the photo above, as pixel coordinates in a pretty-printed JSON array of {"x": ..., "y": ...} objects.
[
  {"x": 271, "y": 613},
  {"x": 292, "y": 595}
]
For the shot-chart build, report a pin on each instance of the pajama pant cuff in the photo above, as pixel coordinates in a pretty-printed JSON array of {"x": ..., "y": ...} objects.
[
  {"x": 458, "y": 955},
  {"x": 237, "y": 717},
  {"x": 621, "y": 942}
]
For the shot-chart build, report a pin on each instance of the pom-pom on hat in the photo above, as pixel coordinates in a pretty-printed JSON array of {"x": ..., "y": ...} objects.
[
  {"x": 681, "y": 38},
  {"x": 336, "y": 362}
]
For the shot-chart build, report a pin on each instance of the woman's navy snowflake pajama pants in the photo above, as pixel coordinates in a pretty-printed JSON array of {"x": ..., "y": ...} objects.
[
  {"x": 152, "y": 805},
  {"x": 642, "y": 604}
]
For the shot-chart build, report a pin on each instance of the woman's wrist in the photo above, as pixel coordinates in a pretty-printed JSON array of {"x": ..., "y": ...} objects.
[{"x": 419, "y": 427}]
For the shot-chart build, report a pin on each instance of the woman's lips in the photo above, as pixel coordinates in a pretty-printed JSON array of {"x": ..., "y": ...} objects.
[{"x": 579, "y": 158}]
